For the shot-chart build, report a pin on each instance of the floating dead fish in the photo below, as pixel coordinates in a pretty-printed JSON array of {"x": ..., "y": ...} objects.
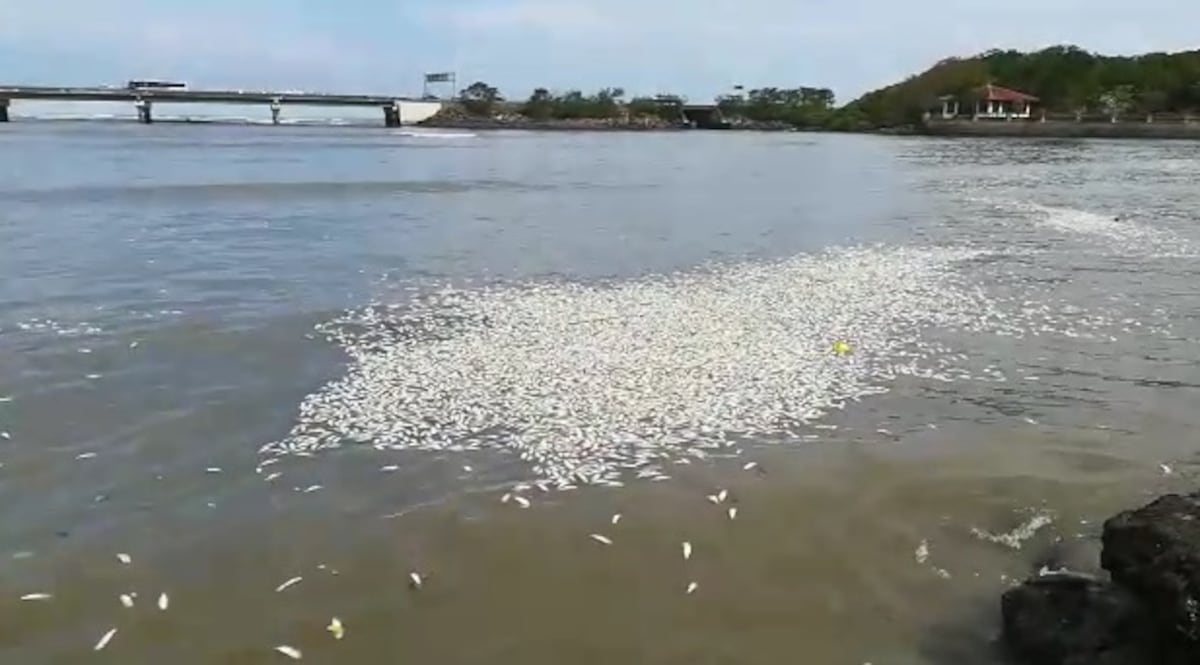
[
  {"x": 93, "y": 376},
  {"x": 467, "y": 468},
  {"x": 691, "y": 588},
  {"x": 713, "y": 499},
  {"x": 126, "y": 600},
  {"x": 521, "y": 501},
  {"x": 1167, "y": 470},
  {"x": 272, "y": 476},
  {"x": 292, "y": 582},
  {"x": 749, "y": 466},
  {"x": 922, "y": 552},
  {"x": 105, "y": 640},
  {"x": 36, "y": 596},
  {"x": 6, "y": 436},
  {"x": 163, "y": 602},
  {"x": 134, "y": 345},
  {"x": 290, "y": 652},
  {"x": 506, "y": 498},
  {"x": 389, "y": 468},
  {"x": 415, "y": 580},
  {"x": 604, "y": 540},
  {"x": 85, "y": 455},
  {"x": 124, "y": 558},
  {"x": 722, "y": 495},
  {"x": 732, "y": 512},
  {"x": 616, "y": 518},
  {"x": 336, "y": 628},
  {"x": 213, "y": 469},
  {"x": 687, "y": 550},
  {"x": 312, "y": 488}
]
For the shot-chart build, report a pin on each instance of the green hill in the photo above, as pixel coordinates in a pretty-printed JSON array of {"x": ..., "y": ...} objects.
[{"x": 1066, "y": 78}]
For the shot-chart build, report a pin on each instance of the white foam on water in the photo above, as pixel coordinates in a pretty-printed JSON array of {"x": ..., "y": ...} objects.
[
  {"x": 1122, "y": 233},
  {"x": 433, "y": 134},
  {"x": 587, "y": 381}
]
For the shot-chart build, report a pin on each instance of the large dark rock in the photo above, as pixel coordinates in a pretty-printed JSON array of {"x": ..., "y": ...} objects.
[
  {"x": 1074, "y": 619},
  {"x": 1154, "y": 552}
]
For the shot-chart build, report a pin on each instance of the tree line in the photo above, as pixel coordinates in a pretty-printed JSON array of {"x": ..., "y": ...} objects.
[
  {"x": 802, "y": 106},
  {"x": 1066, "y": 79}
]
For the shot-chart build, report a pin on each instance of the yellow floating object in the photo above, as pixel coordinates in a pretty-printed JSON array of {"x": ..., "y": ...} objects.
[
  {"x": 842, "y": 348},
  {"x": 336, "y": 628}
]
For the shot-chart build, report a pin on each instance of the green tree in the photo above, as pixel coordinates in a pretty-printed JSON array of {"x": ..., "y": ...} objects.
[{"x": 480, "y": 99}]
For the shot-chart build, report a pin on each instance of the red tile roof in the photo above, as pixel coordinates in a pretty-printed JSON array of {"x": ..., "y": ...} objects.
[{"x": 994, "y": 93}]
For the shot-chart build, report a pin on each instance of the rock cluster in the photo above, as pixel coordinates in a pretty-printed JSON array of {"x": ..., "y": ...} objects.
[{"x": 1146, "y": 613}]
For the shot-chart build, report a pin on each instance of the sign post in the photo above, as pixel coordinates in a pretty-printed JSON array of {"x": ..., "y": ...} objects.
[{"x": 439, "y": 77}]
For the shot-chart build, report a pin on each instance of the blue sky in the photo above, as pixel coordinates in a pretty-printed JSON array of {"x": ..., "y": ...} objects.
[{"x": 647, "y": 46}]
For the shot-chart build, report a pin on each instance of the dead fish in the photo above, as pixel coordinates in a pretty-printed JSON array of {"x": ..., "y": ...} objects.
[
  {"x": 335, "y": 627},
  {"x": 105, "y": 640},
  {"x": 691, "y": 588},
  {"x": 521, "y": 501},
  {"x": 687, "y": 550},
  {"x": 213, "y": 469},
  {"x": 6, "y": 436},
  {"x": 1166, "y": 469},
  {"x": 36, "y": 596},
  {"x": 272, "y": 476},
  {"x": 616, "y": 518},
  {"x": 134, "y": 345},
  {"x": 749, "y": 466},
  {"x": 163, "y": 602},
  {"x": 506, "y": 498},
  {"x": 124, "y": 558},
  {"x": 389, "y": 468},
  {"x": 415, "y": 580},
  {"x": 722, "y": 495},
  {"x": 292, "y": 582},
  {"x": 85, "y": 455},
  {"x": 290, "y": 652},
  {"x": 126, "y": 600},
  {"x": 713, "y": 499},
  {"x": 604, "y": 540},
  {"x": 733, "y": 511},
  {"x": 467, "y": 468},
  {"x": 312, "y": 488}
]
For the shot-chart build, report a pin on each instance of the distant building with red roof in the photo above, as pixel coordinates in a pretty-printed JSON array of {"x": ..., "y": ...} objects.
[{"x": 990, "y": 102}]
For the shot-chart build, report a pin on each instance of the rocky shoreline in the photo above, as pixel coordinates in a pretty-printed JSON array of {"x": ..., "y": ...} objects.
[
  {"x": 1143, "y": 610},
  {"x": 452, "y": 117}
]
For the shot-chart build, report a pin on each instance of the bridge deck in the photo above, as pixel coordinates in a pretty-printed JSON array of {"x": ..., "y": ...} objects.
[{"x": 166, "y": 95}]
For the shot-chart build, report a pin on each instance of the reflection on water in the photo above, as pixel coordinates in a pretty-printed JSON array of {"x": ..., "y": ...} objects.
[{"x": 150, "y": 344}]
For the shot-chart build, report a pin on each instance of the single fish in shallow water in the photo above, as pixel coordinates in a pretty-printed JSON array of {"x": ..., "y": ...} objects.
[
  {"x": 616, "y": 518},
  {"x": 1166, "y": 469},
  {"x": 124, "y": 558},
  {"x": 291, "y": 582},
  {"x": 336, "y": 628},
  {"x": 85, "y": 455},
  {"x": 415, "y": 579},
  {"x": 521, "y": 501},
  {"x": 389, "y": 468},
  {"x": 126, "y": 600},
  {"x": 105, "y": 640},
  {"x": 691, "y": 588},
  {"x": 272, "y": 476},
  {"x": 163, "y": 602},
  {"x": 36, "y": 596},
  {"x": 604, "y": 540},
  {"x": 722, "y": 495},
  {"x": 733, "y": 511},
  {"x": 749, "y": 466},
  {"x": 290, "y": 652},
  {"x": 713, "y": 499},
  {"x": 687, "y": 550}
]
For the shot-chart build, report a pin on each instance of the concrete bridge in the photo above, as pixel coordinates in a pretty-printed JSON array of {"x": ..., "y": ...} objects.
[{"x": 393, "y": 107}]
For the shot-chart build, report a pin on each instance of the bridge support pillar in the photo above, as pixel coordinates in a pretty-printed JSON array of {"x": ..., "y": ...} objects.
[
  {"x": 275, "y": 108},
  {"x": 3, "y": 110},
  {"x": 143, "y": 110},
  {"x": 391, "y": 115}
]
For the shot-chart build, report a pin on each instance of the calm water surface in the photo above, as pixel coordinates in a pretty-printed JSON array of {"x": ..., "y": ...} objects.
[{"x": 159, "y": 288}]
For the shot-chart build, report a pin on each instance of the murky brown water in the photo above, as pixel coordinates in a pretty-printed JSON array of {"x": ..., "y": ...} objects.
[{"x": 171, "y": 336}]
